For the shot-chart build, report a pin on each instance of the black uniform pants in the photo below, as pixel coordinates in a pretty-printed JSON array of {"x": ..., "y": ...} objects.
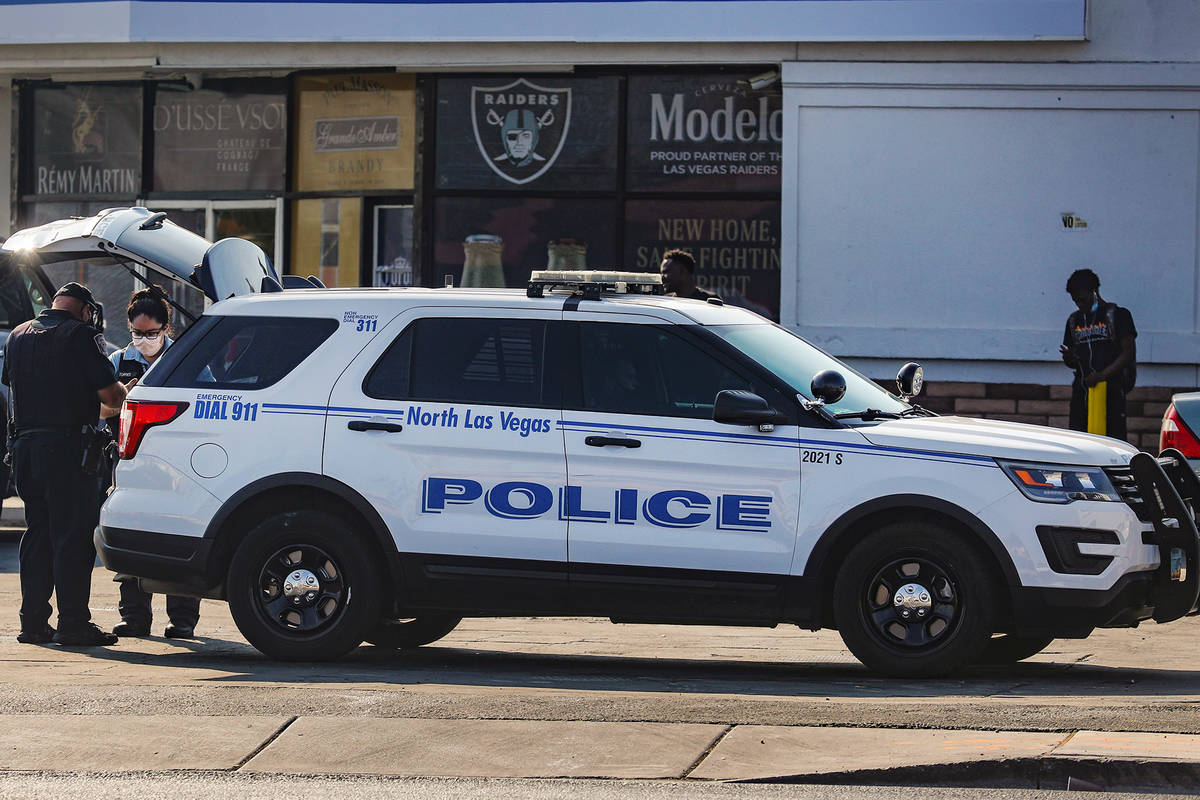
[
  {"x": 1115, "y": 405},
  {"x": 135, "y": 607},
  {"x": 57, "y": 554}
]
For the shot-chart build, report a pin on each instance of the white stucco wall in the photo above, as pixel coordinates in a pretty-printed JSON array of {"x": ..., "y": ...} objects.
[{"x": 923, "y": 211}]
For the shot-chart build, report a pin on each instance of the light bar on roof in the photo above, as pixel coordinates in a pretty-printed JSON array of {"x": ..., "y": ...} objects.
[{"x": 591, "y": 283}]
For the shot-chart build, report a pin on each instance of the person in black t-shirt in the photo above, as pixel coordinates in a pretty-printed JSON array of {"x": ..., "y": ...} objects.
[
  {"x": 678, "y": 272},
  {"x": 1099, "y": 344}
]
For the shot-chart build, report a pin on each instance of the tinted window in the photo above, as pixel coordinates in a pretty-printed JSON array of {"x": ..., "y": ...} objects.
[
  {"x": 15, "y": 305},
  {"x": 453, "y": 360},
  {"x": 641, "y": 369},
  {"x": 249, "y": 352}
]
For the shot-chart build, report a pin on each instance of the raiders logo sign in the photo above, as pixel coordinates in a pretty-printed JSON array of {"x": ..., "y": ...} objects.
[{"x": 520, "y": 127}]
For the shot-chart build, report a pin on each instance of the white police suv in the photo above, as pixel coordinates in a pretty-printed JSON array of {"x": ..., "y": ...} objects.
[{"x": 342, "y": 465}]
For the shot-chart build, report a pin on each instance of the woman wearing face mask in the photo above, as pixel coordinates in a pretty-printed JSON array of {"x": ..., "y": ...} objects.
[{"x": 149, "y": 322}]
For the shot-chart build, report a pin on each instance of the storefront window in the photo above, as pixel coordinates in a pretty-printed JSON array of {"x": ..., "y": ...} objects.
[
  {"x": 535, "y": 133},
  {"x": 735, "y": 244},
  {"x": 87, "y": 141},
  {"x": 355, "y": 132},
  {"x": 702, "y": 133},
  {"x": 497, "y": 242},
  {"x": 229, "y": 136},
  {"x": 393, "y": 226},
  {"x": 326, "y": 238}
]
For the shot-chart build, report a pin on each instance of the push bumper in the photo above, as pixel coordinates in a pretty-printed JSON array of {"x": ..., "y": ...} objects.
[
  {"x": 1169, "y": 494},
  {"x": 161, "y": 562}
]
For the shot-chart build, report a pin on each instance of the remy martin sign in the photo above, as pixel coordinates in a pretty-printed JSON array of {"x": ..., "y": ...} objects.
[
  {"x": 87, "y": 141},
  {"x": 355, "y": 132}
]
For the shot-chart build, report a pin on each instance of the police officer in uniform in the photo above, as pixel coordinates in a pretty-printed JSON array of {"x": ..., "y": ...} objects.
[{"x": 58, "y": 374}]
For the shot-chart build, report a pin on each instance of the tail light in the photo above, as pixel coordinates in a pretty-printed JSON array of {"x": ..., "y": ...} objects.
[
  {"x": 139, "y": 416},
  {"x": 1175, "y": 433}
]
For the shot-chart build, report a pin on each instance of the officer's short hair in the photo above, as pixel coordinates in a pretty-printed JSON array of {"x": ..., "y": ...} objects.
[
  {"x": 1083, "y": 280},
  {"x": 77, "y": 291},
  {"x": 683, "y": 257}
]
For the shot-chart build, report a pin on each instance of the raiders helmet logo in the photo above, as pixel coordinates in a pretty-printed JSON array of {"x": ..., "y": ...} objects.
[{"x": 520, "y": 127}]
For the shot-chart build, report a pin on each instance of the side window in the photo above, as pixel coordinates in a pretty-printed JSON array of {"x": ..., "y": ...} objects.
[
  {"x": 15, "y": 307},
  {"x": 249, "y": 352},
  {"x": 389, "y": 378},
  {"x": 36, "y": 295},
  {"x": 644, "y": 369},
  {"x": 457, "y": 360}
]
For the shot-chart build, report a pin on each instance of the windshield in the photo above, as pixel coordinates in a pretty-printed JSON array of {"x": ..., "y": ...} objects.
[{"x": 796, "y": 361}]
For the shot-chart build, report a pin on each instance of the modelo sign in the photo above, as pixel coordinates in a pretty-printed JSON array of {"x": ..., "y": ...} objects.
[{"x": 703, "y": 133}]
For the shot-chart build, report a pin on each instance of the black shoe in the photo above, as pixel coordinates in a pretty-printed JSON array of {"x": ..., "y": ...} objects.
[
  {"x": 88, "y": 635},
  {"x": 174, "y": 631},
  {"x": 45, "y": 635},
  {"x": 130, "y": 628}
]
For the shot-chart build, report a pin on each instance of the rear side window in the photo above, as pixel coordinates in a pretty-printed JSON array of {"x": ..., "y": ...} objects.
[
  {"x": 455, "y": 360},
  {"x": 248, "y": 352},
  {"x": 15, "y": 305}
]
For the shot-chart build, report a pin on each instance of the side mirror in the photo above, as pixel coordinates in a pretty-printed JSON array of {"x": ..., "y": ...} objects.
[
  {"x": 739, "y": 407},
  {"x": 828, "y": 386},
  {"x": 910, "y": 379}
]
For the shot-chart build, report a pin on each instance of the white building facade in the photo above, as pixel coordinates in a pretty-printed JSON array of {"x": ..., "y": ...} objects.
[{"x": 895, "y": 180}]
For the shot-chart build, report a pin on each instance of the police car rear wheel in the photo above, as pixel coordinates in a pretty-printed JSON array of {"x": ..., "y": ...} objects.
[
  {"x": 303, "y": 587},
  {"x": 414, "y": 632},
  {"x": 914, "y": 600}
]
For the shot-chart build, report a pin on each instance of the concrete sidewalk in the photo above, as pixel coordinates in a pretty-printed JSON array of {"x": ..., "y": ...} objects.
[
  {"x": 500, "y": 748},
  {"x": 12, "y": 515}
]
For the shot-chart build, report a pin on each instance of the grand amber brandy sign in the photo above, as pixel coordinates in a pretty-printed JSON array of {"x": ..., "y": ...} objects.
[{"x": 355, "y": 132}]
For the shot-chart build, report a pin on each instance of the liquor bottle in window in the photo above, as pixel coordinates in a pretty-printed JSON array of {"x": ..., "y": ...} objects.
[
  {"x": 566, "y": 254},
  {"x": 482, "y": 265}
]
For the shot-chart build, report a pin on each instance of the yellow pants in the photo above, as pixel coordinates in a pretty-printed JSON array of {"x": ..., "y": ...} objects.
[{"x": 1097, "y": 409}]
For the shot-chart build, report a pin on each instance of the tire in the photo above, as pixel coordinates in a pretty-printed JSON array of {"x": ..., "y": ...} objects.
[
  {"x": 303, "y": 586},
  {"x": 948, "y": 609},
  {"x": 398, "y": 634},
  {"x": 1009, "y": 649}
]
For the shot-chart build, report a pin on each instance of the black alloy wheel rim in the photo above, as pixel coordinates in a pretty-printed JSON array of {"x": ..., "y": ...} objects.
[
  {"x": 897, "y": 614},
  {"x": 301, "y": 590}
]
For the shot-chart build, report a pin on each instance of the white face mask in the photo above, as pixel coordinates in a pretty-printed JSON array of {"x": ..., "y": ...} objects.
[{"x": 149, "y": 348}]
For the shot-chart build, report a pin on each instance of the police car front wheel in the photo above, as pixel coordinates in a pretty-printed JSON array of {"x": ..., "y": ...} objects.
[
  {"x": 303, "y": 587},
  {"x": 913, "y": 599}
]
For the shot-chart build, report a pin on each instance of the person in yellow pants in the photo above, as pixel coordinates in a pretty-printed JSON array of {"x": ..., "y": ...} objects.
[{"x": 1099, "y": 345}]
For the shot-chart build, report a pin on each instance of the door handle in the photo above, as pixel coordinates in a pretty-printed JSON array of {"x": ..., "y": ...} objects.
[
  {"x": 605, "y": 441},
  {"x": 363, "y": 425}
]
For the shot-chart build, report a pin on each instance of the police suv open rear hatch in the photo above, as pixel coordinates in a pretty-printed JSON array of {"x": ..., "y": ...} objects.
[{"x": 228, "y": 268}]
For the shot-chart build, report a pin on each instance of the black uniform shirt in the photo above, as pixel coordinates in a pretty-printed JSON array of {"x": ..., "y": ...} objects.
[{"x": 55, "y": 364}]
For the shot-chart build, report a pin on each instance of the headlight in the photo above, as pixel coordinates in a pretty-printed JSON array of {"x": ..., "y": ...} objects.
[{"x": 1051, "y": 483}]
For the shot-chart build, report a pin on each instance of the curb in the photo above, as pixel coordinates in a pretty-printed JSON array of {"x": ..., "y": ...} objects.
[{"x": 1059, "y": 773}]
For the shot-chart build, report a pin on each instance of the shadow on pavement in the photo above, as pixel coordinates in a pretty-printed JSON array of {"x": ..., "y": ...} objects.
[{"x": 492, "y": 668}]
